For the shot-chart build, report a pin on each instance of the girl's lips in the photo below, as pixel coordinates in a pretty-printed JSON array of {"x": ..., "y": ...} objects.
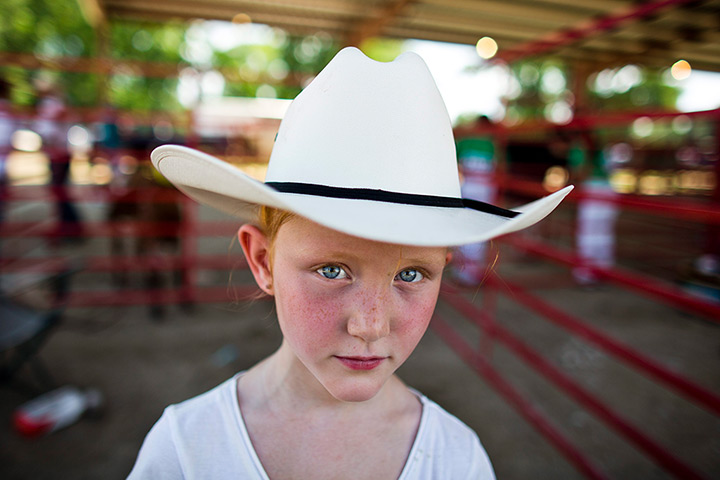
[{"x": 361, "y": 363}]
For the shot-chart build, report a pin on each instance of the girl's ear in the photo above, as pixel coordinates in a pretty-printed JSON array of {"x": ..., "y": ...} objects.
[{"x": 256, "y": 248}]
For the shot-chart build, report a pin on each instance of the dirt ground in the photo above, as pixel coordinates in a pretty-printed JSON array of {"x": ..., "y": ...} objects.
[{"x": 141, "y": 365}]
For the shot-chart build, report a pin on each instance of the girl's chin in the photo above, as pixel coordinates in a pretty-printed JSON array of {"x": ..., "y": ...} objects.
[{"x": 355, "y": 390}]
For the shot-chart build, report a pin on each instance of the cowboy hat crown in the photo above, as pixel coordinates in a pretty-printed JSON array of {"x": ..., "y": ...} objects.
[{"x": 368, "y": 124}]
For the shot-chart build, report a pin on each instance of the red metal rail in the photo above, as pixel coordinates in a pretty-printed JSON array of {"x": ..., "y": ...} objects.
[
  {"x": 656, "y": 289},
  {"x": 524, "y": 407},
  {"x": 606, "y": 119},
  {"x": 533, "y": 359},
  {"x": 701, "y": 396},
  {"x": 136, "y": 263},
  {"x": 161, "y": 296},
  {"x": 101, "y": 229},
  {"x": 91, "y": 193},
  {"x": 680, "y": 208}
]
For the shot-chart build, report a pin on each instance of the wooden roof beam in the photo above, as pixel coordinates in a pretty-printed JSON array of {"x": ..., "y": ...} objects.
[
  {"x": 161, "y": 11},
  {"x": 431, "y": 13},
  {"x": 591, "y": 5},
  {"x": 510, "y": 10},
  {"x": 374, "y": 25},
  {"x": 325, "y": 8},
  {"x": 570, "y": 36},
  {"x": 478, "y": 28},
  {"x": 448, "y": 36}
]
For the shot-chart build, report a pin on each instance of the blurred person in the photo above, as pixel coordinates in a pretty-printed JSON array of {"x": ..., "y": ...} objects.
[
  {"x": 597, "y": 209},
  {"x": 146, "y": 221},
  {"x": 350, "y": 234},
  {"x": 7, "y": 128},
  {"x": 109, "y": 142},
  {"x": 51, "y": 125},
  {"x": 478, "y": 161}
]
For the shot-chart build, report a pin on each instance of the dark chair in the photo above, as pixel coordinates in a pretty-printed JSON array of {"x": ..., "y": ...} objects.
[{"x": 24, "y": 330}]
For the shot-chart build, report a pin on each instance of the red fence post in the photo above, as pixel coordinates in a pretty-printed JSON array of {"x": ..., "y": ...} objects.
[{"x": 188, "y": 249}]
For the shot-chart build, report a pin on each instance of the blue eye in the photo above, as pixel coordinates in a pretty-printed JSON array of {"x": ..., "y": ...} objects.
[
  {"x": 332, "y": 272},
  {"x": 410, "y": 275}
]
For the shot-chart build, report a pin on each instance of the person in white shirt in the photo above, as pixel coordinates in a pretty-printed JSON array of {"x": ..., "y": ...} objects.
[{"x": 350, "y": 233}]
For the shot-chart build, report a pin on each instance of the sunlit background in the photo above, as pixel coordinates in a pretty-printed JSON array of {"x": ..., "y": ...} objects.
[{"x": 110, "y": 279}]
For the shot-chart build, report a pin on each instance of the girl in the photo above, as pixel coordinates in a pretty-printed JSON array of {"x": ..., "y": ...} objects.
[{"x": 350, "y": 233}]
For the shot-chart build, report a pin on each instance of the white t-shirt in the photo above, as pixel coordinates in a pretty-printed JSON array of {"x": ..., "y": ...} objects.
[{"x": 205, "y": 437}]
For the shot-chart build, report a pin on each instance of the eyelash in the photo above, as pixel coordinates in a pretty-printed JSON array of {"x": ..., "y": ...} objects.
[{"x": 340, "y": 273}]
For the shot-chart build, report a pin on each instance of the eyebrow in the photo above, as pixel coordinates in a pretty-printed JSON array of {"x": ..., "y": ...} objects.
[
  {"x": 420, "y": 261},
  {"x": 418, "y": 258}
]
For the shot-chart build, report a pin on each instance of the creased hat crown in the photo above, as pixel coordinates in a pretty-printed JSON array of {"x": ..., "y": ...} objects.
[{"x": 367, "y": 124}]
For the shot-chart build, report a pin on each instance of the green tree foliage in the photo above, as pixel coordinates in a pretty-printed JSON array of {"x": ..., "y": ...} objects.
[
  {"x": 249, "y": 68},
  {"x": 541, "y": 84},
  {"x": 148, "y": 58},
  {"x": 382, "y": 49},
  {"x": 305, "y": 57},
  {"x": 144, "y": 41},
  {"x": 48, "y": 29},
  {"x": 278, "y": 68},
  {"x": 131, "y": 88},
  {"x": 647, "y": 90}
]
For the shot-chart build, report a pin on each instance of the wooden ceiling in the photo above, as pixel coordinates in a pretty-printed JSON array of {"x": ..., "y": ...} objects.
[{"x": 598, "y": 32}]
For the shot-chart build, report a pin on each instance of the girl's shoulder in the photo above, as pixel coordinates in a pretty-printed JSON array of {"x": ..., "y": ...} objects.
[
  {"x": 209, "y": 411},
  {"x": 443, "y": 425},
  {"x": 199, "y": 437},
  {"x": 216, "y": 394},
  {"x": 446, "y": 447}
]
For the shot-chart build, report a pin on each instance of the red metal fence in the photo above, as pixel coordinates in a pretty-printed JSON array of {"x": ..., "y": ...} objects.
[{"x": 188, "y": 259}]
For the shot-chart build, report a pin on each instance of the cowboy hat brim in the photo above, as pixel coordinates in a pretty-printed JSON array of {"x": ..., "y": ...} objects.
[{"x": 218, "y": 184}]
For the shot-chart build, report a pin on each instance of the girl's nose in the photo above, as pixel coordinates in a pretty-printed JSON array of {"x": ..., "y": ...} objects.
[{"x": 370, "y": 319}]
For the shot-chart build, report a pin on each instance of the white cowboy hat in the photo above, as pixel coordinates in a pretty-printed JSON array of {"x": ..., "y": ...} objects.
[{"x": 366, "y": 149}]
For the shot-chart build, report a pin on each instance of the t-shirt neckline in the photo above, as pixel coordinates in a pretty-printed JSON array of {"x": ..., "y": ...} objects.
[{"x": 240, "y": 422}]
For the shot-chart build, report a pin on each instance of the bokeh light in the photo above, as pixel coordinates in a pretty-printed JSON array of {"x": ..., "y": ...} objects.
[
  {"x": 266, "y": 91},
  {"x": 553, "y": 81},
  {"x": 623, "y": 180},
  {"x": 26, "y": 141},
  {"x": 643, "y": 127},
  {"x": 556, "y": 177},
  {"x": 79, "y": 136},
  {"x": 681, "y": 70},
  {"x": 241, "y": 18},
  {"x": 559, "y": 112},
  {"x": 486, "y": 47},
  {"x": 620, "y": 154},
  {"x": 682, "y": 124},
  {"x": 652, "y": 182}
]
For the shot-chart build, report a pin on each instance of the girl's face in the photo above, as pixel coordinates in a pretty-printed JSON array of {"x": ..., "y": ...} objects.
[{"x": 352, "y": 310}]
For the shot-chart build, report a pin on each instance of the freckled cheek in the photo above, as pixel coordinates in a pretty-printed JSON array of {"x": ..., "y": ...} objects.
[
  {"x": 308, "y": 317},
  {"x": 415, "y": 320}
]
